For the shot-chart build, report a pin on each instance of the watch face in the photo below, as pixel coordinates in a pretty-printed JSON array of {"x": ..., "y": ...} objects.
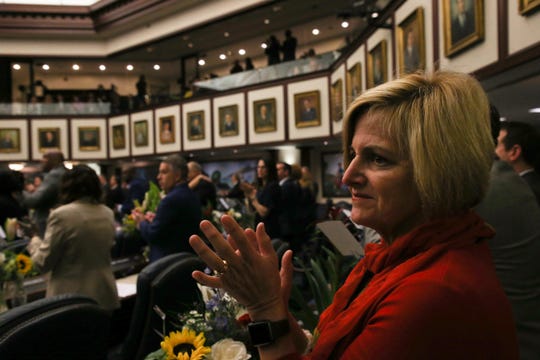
[{"x": 260, "y": 333}]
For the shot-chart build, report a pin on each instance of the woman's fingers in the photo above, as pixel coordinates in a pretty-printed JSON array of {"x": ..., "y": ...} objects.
[
  {"x": 220, "y": 245},
  {"x": 239, "y": 237},
  {"x": 206, "y": 254}
]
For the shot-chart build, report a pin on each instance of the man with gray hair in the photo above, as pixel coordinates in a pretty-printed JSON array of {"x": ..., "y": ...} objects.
[
  {"x": 177, "y": 216},
  {"x": 45, "y": 196}
]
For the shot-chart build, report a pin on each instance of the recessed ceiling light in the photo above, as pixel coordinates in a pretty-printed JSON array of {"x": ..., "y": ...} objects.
[
  {"x": 102, "y": 67},
  {"x": 226, "y": 34},
  {"x": 242, "y": 52},
  {"x": 45, "y": 67},
  {"x": 157, "y": 67},
  {"x": 201, "y": 62},
  {"x": 267, "y": 21},
  {"x": 344, "y": 24},
  {"x": 264, "y": 46},
  {"x": 129, "y": 67},
  {"x": 375, "y": 15},
  {"x": 75, "y": 67},
  {"x": 535, "y": 110},
  {"x": 315, "y": 31},
  {"x": 502, "y": 118},
  {"x": 190, "y": 45},
  {"x": 222, "y": 56},
  {"x": 16, "y": 67}
]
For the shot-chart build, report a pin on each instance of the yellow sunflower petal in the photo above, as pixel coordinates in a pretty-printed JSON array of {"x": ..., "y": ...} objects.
[{"x": 188, "y": 337}]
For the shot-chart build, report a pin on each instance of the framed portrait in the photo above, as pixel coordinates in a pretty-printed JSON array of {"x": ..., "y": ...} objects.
[
  {"x": 264, "y": 115},
  {"x": 195, "y": 125},
  {"x": 166, "y": 129},
  {"x": 411, "y": 41},
  {"x": 141, "y": 133},
  {"x": 354, "y": 82},
  {"x": 336, "y": 100},
  {"x": 332, "y": 175},
  {"x": 228, "y": 120},
  {"x": 119, "y": 136},
  {"x": 307, "y": 109},
  {"x": 377, "y": 69},
  {"x": 49, "y": 139},
  {"x": 89, "y": 138},
  {"x": 528, "y": 6},
  {"x": 463, "y": 25},
  {"x": 10, "y": 140}
]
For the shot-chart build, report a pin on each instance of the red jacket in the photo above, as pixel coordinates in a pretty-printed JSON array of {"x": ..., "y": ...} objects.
[{"x": 433, "y": 295}]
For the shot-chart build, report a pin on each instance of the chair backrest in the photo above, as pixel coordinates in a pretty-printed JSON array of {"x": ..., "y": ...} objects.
[
  {"x": 67, "y": 326},
  {"x": 165, "y": 282}
]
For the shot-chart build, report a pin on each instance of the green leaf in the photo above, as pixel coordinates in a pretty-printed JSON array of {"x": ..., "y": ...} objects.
[{"x": 156, "y": 355}]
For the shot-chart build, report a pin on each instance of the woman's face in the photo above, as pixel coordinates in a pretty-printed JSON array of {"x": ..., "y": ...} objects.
[
  {"x": 384, "y": 195},
  {"x": 262, "y": 171}
]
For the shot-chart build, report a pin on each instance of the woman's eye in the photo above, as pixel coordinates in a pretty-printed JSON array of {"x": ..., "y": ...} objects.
[{"x": 379, "y": 160}]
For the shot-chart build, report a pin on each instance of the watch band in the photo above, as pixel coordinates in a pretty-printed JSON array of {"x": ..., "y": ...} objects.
[{"x": 266, "y": 332}]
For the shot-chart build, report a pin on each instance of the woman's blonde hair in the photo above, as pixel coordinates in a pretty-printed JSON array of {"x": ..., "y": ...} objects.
[{"x": 441, "y": 123}]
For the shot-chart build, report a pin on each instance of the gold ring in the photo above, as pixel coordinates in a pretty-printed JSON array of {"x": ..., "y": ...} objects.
[{"x": 219, "y": 273}]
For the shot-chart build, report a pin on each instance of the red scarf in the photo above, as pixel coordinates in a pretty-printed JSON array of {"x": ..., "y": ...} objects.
[{"x": 342, "y": 322}]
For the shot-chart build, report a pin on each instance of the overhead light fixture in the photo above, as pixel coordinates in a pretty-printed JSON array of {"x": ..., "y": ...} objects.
[
  {"x": 222, "y": 56},
  {"x": 16, "y": 67},
  {"x": 157, "y": 67},
  {"x": 267, "y": 21},
  {"x": 315, "y": 31},
  {"x": 45, "y": 67},
  {"x": 102, "y": 67},
  {"x": 242, "y": 52},
  {"x": 374, "y": 15},
  {"x": 264, "y": 46},
  {"x": 129, "y": 67},
  {"x": 535, "y": 110},
  {"x": 344, "y": 24},
  {"x": 226, "y": 34},
  {"x": 201, "y": 62},
  {"x": 190, "y": 45},
  {"x": 75, "y": 67}
]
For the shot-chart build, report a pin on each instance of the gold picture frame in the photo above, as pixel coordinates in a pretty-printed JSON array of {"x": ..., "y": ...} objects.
[
  {"x": 307, "y": 109},
  {"x": 463, "y": 25},
  {"x": 89, "y": 138},
  {"x": 140, "y": 133},
  {"x": 411, "y": 41},
  {"x": 228, "y": 120},
  {"x": 48, "y": 139},
  {"x": 377, "y": 65},
  {"x": 195, "y": 125},
  {"x": 119, "y": 136},
  {"x": 527, "y": 7},
  {"x": 354, "y": 82},
  {"x": 264, "y": 115},
  {"x": 166, "y": 129},
  {"x": 10, "y": 140},
  {"x": 336, "y": 99}
]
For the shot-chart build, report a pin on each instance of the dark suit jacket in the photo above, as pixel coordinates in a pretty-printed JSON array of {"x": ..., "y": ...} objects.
[
  {"x": 290, "y": 216},
  {"x": 309, "y": 114},
  {"x": 177, "y": 218},
  {"x": 460, "y": 32},
  {"x": 533, "y": 179}
]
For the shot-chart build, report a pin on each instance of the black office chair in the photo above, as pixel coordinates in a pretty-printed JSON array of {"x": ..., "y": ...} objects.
[
  {"x": 168, "y": 284},
  {"x": 67, "y": 326}
]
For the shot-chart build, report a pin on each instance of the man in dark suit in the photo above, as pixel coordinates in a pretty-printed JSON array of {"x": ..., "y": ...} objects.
[
  {"x": 308, "y": 111},
  {"x": 177, "y": 216},
  {"x": 519, "y": 145},
  {"x": 463, "y": 21},
  {"x": 202, "y": 186}
]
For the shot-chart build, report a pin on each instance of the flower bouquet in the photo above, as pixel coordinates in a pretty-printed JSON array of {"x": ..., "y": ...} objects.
[
  {"x": 221, "y": 326},
  {"x": 150, "y": 203},
  {"x": 13, "y": 268}
]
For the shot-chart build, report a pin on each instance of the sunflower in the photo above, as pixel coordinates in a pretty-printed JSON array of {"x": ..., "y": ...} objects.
[
  {"x": 24, "y": 264},
  {"x": 184, "y": 345}
]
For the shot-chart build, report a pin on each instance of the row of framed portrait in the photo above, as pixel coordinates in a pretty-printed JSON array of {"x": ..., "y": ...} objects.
[{"x": 159, "y": 130}]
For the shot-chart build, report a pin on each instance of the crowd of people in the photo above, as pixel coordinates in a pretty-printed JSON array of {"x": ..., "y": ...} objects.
[{"x": 458, "y": 247}]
